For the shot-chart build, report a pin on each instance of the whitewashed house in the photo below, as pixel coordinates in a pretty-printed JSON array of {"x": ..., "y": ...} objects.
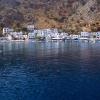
[
  {"x": 31, "y": 35},
  {"x": 7, "y": 30},
  {"x": 85, "y": 35},
  {"x": 64, "y": 35},
  {"x": 47, "y": 33},
  {"x": 53, "y": 33},
  {"x": 40, "y": 33},
  {"x": 60, "y": 36},
  {"x": 30, "y": 28},
  {"x": 75, "y": 37},
  {"x": 17, "y": 35}
]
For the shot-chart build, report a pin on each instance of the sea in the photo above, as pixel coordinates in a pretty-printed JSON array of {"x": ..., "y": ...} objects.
[{"x": 53, "y": 70}]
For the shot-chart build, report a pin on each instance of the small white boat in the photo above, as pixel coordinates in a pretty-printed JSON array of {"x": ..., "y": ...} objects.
[
  {"x": 83, "y": 38},
  {"x": 58, "y": 38}
]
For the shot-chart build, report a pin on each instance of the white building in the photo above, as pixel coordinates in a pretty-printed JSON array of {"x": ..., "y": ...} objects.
[
  {"x": 31, "y": 35},
  {"x": 40, "y": 33},
  {"x": 46, "y": 32},
  {"x": 7, "y": 30},
  {"x": 63, "y": 34},
  {"x": 17, "y": 35},
  {"x": 53, "y": 32},
  {"x": 75, "y": 37},
  {"x": 85, "y": 35},
  {"x": 30, "y": 27}
]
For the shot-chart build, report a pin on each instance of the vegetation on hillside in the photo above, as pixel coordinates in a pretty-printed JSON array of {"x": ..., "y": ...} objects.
[{"x": 69, "y": 15}]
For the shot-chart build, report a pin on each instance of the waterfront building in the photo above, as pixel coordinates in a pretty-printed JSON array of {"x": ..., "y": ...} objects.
[
  {"x": 46, "y": 32},
  {"x": 17, "y": 35},
  {"x": 7, "y": 30},
  {"x": 40, "y": 33},
  {"x": 64, "y": 35},
  {"x": 60, "y": 36},
  {"x": 31, "y": 35},
  {"x": 30, "y": 28},
  {"x": 85, "y": 35},
  {"x": 75, "y": 37}
]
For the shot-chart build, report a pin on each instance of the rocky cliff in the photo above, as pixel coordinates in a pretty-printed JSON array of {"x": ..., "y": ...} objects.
[{"x": 69, "y": 15}]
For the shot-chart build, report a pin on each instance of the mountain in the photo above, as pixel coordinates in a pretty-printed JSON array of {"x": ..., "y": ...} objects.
[{"x": 68, "y": 15}]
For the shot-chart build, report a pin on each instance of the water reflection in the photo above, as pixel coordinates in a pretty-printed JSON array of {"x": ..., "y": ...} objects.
[
  {"x": 38, "y": 48},
  {"x": 45, "y": 70}
]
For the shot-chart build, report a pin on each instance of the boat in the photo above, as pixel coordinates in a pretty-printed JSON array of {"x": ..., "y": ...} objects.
[{"x": 58, "y": 38}]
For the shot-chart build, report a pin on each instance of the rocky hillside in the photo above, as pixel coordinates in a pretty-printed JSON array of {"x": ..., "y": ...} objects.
[{"x": 69, "y": 15}]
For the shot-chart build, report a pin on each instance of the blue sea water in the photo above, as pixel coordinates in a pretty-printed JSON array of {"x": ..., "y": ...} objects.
[{"x": 49, "y": 70}]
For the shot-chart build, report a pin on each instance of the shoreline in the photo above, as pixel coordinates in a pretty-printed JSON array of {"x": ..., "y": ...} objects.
[{"x": 30, "y": 40}]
